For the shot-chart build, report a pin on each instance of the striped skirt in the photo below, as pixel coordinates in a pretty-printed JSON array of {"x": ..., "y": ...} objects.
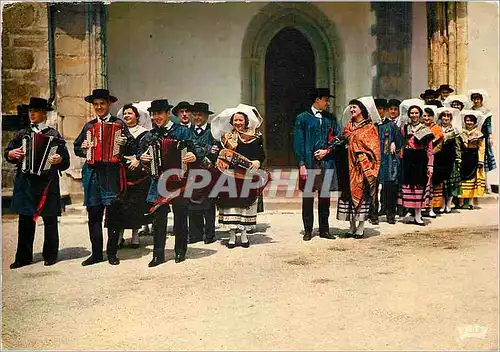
[
  {"x": 346, "y": 210},
  {"x": 474, "y": 187},
  {"x": 415, "y": 197},
  {"x": 239, "y": 218},
  {"x": 437, "y": 196}
]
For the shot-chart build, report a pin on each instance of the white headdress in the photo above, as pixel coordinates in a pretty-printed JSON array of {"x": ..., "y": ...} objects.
[
  {"x": 220, "y": 124},
  {"x": 459, "y": 97},
  {"x": 455, "y": 116},
  {"x": 405, "y": 106},
  {"x": 143, "y": 119},
  {"x": 370, "y": 106},
  {"x": 478, "y": 114}
]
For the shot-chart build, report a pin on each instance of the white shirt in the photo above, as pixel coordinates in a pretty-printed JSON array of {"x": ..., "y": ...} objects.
[
  {"x": 317, "y": 113},
  {"x": 38, "y": 127},
  {"x": 188, "y": 125},
  {"x": 203, "y": 128},
  {"x": 105, "y": 119}
]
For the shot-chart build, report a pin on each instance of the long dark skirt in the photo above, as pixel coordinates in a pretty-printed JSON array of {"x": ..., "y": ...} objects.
[
  {"x": 129, "y": 208},
  {"x": 443, "y": 163},
  {"x": 470, "y": 160},
  {"x": 415, "y": 191}
]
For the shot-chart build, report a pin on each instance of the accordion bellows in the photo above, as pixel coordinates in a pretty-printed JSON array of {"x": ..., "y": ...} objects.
[
  {"x": 38, "y": 148},
  {"x": 103, "y": 140},
  {"x": 167, "y": 154}
]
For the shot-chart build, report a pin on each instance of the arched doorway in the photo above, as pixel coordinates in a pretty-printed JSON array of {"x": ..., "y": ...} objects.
[
  {"x": 289, "y": 75},
  {"x": 321, "y": 35}
]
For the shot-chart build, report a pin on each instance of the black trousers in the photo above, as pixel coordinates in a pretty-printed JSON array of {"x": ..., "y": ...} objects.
[
  {"x": 390, "y": 198},
  {"x": 26, "y": 237},
  {"x": 202, "y": 222},
  {"x": 323, "y": 213},
  {"x": 375, "y": 204},
  {"x": 95, "y": 215},
  {"x": 180, "y": 228}
]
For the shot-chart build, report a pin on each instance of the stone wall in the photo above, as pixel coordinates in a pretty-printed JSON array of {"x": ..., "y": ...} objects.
[{"x": 25, "y": 65}]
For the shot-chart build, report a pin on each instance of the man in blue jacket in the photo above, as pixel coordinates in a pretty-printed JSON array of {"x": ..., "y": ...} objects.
[{"x": 315, "y": 133}]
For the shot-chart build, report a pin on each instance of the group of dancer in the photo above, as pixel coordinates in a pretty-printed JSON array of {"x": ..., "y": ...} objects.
[{"x": 422, "y": 152}]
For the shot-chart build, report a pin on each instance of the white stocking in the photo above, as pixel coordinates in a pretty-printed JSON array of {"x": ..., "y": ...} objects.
[
  {"x": 418, "y": 215},
  {"x": 232, "y": 236},
  {"x": 361, "y": 228},
  {"x": 244, "y": 238},
  {"x": 353, "y": 226},
  {"x": 135, "y": 236},
  {"x": 448, "y": 203}
]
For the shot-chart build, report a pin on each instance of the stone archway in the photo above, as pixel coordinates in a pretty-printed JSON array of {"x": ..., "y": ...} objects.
[{"x": 319, "y": 31}]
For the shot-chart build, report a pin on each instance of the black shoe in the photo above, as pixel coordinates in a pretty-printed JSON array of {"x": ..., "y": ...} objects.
[
  {"x": 358, "y": 236},
  {"x": 231, "y": 245},
  {"x": 348, "y": 235},
  {"x": 327, "y": 235},
  {"x": 16, "y": 265},
  {"x": 134, "y": 245},
  {"x": 113, "y": 260},
  {"x": 391, "y": 221},
  {"x": 50, "y": 262},
  {"x": 91, "y": 260},
  {"x": 307, "y": 236},
  {"x": 415, "y": 222},
  {"x": 245, "y": 244},
  {"x": 156, "y": 261},
  {"x": 180, "y": 258},
  {"x": 374, "y": 221},
  {"x": 209, "y": 240},
  {"x": 194, "y": 240}
]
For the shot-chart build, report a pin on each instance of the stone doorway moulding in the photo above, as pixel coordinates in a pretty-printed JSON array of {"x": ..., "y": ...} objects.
[{"x": 321, "y": 33}]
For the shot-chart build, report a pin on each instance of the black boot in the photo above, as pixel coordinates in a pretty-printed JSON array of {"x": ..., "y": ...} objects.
[{"x": 158, "y": 258}]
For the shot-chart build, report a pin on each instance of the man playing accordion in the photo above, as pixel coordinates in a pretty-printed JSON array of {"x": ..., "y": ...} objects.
[
  {"x": 103, "y": 176},
  {"x": 40, "y": 154},
  {"x": 165, "y": 141}
]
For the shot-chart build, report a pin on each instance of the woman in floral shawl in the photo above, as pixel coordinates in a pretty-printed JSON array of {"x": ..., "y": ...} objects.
[
  {"x": 363, "y": 155},
  {"x": 473, "y": 157},
  {"x": 418, "y": 161}
]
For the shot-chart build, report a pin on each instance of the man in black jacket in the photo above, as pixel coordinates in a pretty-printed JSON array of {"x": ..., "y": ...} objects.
[{"x": 35, "y": 194}]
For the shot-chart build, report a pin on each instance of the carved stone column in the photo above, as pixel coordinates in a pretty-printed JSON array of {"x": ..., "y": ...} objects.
[{"x": 447, "y": 44}]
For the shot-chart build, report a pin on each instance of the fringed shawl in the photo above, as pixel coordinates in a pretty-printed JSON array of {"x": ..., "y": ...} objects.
[{"x": 363, "y": 154}]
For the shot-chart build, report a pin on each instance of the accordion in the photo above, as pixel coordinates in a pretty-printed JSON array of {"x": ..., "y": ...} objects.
[
  {"x": 167, "y": 154},
  {"x": 38, "y": 148},
  {"x": 103, "y": 140}
]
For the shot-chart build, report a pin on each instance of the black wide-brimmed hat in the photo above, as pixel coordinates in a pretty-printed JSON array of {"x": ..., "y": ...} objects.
[
  {"x": 381, "y": 103},
  {"x": 393, "y": 102},
  {"x": 201, "y": 107},
  {"x": 429, "y": 93},
  {"x": 160, "y": 105},
  {"x": 100, "y": 94},
  {"x": 182, "y": 105},
  {"x": 320, "y": 92},
  {"x": 39, "y": 104},
  {"x": 445, "y": 87}
]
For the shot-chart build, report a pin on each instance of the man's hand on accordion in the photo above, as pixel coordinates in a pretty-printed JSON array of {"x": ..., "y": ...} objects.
[
  {"x": 55, "y": 159},
  {"x": 86, "y": 144},
  {"x": 17, "y": 153},
  {"x": 146, "y": 158},
  {"x": 189, "y": 158},
  {"x": 132, "y": 162}
]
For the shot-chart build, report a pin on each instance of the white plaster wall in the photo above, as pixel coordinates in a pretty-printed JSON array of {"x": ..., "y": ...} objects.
[
  {"x": 419, "y": 79},
  {"x": 192, "y": 51},
  {"x": 482, "y": 65},
  {"x": 353, "y": 21}
]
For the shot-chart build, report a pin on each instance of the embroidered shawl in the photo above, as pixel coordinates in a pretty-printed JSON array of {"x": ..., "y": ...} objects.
[{"x": 363, "y": 153}]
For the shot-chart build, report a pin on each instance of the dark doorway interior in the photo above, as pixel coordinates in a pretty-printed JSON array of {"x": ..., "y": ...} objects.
[{"x": 290, "y": 74}]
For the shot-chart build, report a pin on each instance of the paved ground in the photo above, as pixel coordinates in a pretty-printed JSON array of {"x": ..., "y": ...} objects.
[{"x": 403, "y": 287}]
